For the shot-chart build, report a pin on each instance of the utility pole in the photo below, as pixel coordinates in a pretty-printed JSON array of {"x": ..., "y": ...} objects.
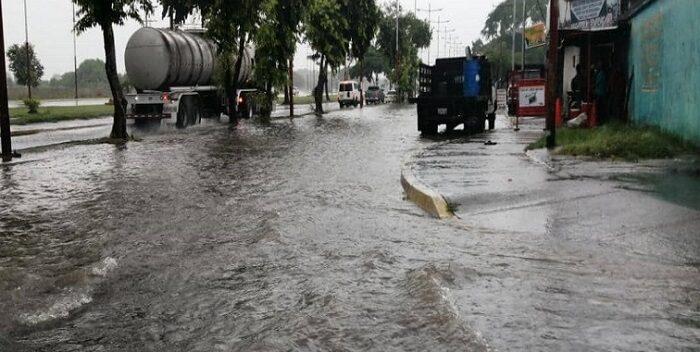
[
  {"x": 26, "y": 48},
  {"x": 429, "y": 11},
  {"x": 513, "y": 53},
  {"x": 398, "y": 13},
  {"x": 448, "y": 38},
  {"x": 75, "y": 58},
  {"x": 4, "y": 111},
  {"x": 437, "y": 24},
  {"x": 552, "y": 67},
  {"x": 522, "y": 62}
]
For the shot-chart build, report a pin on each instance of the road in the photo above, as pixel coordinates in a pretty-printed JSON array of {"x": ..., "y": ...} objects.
[
  {"x": 44, "y": 134},
  {"x": 290, "y": 235}
]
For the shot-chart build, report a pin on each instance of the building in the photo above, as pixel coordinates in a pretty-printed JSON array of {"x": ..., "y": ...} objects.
[{"x": 664, "y": 61}]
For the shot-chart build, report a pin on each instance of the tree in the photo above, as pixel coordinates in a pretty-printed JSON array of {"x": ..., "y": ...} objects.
[
  {"x": 325, "y": 29},
  {"x": 105, "y": 14},
  {"x": 364, "y": 18},
  {"x": 414, "y": 34},
  {"x": 498, "y": 33},
  {"x": 374, "y": 63},
  {"x": 231, "y": 24},
  {"x": 276, "y": 42},
  {"x": 17, "y": 55}
]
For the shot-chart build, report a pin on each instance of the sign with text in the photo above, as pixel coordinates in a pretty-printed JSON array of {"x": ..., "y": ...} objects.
[
  {"x": 530, "y": 97},
  {"x": 589, "y": 15},
  {"x": 535, "y": 36}
]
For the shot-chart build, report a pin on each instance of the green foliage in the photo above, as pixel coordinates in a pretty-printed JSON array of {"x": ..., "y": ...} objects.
[
  {"x": 374, "y": 64},
  {"x": 17, "y": 55},
  {"x": 91, "y": 75},
  {"x": 498, "y": 32},
  {"x": 414, "y": 34},
  {"x": 20, "y": 116},
  {"x": 363, "y": 20},
  {"x": 32, "y": 105},
  {"x": 102, "y": 13},
  {"x": 619, "y": 141},
  {"x": 325, "y": 29},
  {"x": 500, "y": 20},
  {"x": 276, "y": 41}
]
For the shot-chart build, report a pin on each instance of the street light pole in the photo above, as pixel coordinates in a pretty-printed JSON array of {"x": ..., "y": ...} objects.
[
  {"x": 4, "y": 111},
  {"x": 429, "y": 11},
  {"x": 75, "y": 58},
  {"x": 26, "y": 48},
  {"x": 437, "y": 24}
]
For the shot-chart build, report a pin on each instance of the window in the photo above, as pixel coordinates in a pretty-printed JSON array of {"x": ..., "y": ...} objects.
[{"x": 346, "y": 87}]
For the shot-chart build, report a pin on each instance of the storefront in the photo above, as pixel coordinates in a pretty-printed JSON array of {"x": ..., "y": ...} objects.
[{"x": 593, "y": 57}]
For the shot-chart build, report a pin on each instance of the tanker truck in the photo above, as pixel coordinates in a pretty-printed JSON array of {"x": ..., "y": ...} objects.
[{"x": 172, "y": 72}]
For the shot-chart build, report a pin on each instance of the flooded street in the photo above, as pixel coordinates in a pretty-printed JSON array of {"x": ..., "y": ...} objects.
[{"x": 295, "y": 236}]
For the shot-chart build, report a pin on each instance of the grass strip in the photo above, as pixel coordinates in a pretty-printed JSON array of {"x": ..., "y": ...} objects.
[
  {"x": 20, "y": 116},
  {"x": 619, "y": 141}
]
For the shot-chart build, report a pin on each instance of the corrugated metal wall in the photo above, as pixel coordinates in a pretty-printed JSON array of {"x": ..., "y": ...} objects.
[{"x": 665, "y": 57}]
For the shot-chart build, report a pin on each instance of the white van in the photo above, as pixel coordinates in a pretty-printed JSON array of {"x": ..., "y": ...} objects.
[{"x": 348, "y": 93}]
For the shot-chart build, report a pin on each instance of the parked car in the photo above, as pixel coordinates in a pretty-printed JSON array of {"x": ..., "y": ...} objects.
[
  {"x": 348, "y": 93},
  {"x": 375, "y": 95},
  {"x": 391, "y": 96}
]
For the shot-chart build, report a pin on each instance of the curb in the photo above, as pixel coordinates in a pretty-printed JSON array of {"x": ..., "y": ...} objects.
[{"x": 427, "y": 199}]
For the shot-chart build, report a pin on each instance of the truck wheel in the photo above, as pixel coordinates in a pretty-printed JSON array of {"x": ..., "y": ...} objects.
[
  {"x": 182, "y": 113},
  {"x": 194, "y": 116}
]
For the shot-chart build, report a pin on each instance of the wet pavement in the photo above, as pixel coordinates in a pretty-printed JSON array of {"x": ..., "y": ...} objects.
[
  {"x": 608, "y": 250},
  {"x": 295, "y": 235}
]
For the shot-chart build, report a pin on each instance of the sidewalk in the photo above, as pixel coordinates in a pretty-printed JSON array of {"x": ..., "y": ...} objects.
[{"x": 598, "y": 253}]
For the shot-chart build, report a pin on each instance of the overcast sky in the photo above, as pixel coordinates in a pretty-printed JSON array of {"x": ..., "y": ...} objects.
[{"x": 50, "y": 23}]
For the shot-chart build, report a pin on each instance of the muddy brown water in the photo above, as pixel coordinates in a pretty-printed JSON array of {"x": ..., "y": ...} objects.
[{"x": 288, "y": 236}]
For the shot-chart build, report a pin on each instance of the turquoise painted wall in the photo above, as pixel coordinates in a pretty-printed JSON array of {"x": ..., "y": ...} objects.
[{"x": 665, "y": 57}]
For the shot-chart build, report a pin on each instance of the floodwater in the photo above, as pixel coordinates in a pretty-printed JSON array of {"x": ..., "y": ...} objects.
[{"x": 292, "y": 235}]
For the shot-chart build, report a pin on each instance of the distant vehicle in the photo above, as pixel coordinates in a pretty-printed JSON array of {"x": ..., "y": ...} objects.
[
  {"x": 375, "y": 95},
  {"x": 348, "y": 94},
  {"x": 455, "y": 91},
  {"x": 391, "y": 96},
  {"x": 295, "y": 91},
  {"x": 173, "y": 71}
]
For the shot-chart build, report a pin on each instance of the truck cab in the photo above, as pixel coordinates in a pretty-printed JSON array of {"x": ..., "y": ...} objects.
[{"x": 455, "y": 91}]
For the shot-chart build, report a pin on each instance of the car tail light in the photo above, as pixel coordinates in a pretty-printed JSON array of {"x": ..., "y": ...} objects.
[
  {"x": 240, "y": 100},
  {"x": 165, "y": 97}
]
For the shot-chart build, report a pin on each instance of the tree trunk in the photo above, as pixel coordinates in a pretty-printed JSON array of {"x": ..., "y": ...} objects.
[
  {"x": 286, "y": 95},
  {"x": 325, "y": 71},
  {"x": 362, "y": 77},
  {"x": 233, "y": 99},
  {"x": 119, "y": 124},
  {"x": 318, "y": 90},
  {"x": 291, "y": 87}
]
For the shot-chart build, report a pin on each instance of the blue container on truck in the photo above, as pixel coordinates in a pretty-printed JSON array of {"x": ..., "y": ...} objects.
[{"x": 455, "y": 91}]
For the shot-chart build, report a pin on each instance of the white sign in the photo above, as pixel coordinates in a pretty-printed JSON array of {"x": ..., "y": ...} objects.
[
  {"x": 502, "y": 99},
  {"x": 531, "y": 97}
]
